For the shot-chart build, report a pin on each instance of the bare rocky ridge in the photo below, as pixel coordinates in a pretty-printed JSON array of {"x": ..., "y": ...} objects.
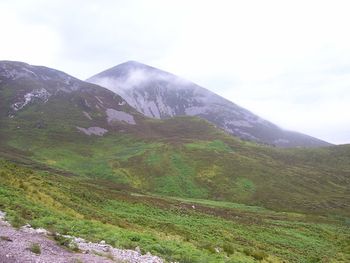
[{"x": 15, "y": 247}]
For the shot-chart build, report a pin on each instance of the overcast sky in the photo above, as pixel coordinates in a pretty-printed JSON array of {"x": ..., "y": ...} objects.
[{"x": 287, "y": 61}]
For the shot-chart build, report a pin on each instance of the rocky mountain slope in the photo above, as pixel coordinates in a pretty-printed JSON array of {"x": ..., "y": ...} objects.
[{"x": 159, "y": 94}]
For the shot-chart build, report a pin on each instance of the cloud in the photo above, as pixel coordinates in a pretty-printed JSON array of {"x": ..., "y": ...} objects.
[
  {"x": 285, "y": 60},
  {"x": 133, "y": 79},
  {"x": 137, "y": 75},
  {"x": 27, "y": 42}
]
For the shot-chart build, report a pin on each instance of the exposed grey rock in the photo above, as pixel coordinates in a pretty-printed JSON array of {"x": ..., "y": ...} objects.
[
  {"x": 115, "y": 115},
  {"x": 2, "y": 215},
  {"x": 3, "y": 220},
  {"x": 138, "y": 250},
  {"x": 124, "y": 255},
  {"x": 87, "y": 115},
  {"x": 93, "y": 131},
  {"x": 38, "y": 94}
]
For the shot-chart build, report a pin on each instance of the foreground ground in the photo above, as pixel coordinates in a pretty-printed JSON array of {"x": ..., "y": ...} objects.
[
  {"x": 37, "y": 245},
  {"x": 18, "y": 246},
  {"x": 183, "y": 230}
]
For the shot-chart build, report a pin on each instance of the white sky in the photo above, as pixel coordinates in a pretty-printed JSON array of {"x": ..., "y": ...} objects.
[{"x": 287, "y": 61}]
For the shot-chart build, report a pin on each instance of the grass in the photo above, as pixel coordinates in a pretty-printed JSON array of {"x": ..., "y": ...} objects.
[
  {"x": 215, "y": 145},
  {"x": 222, "y": 169},
  {"x": 169, "y": 227}
]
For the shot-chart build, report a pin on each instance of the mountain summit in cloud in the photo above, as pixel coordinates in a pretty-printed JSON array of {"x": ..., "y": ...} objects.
[{"x": 160, "y": 94}]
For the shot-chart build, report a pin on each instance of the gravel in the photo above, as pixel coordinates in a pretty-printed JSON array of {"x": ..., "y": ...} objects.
[{"x": 15, "y": 248}]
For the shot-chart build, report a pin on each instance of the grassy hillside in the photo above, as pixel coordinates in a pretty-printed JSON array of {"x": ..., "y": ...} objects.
[
  {"x": 166, "y": 159},
  {"x": 187, "y": 157},
  {"x": 186, "y": 230}
]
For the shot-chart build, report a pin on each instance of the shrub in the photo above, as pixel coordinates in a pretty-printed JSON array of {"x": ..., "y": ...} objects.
[
  {"x": 208, "y": 246},
  {"x": 161, "y": 249},
  {"x": 135, "y": 238},
  {"x": 35, "y": 248},
  {"x": 61, "y": 240},
  {"x": 228, "y": 248},
  {"x": 257, "y": 254},
  {"x": 17, "y": 221}
]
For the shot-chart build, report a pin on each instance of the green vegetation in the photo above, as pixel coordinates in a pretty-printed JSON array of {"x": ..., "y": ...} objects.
[
  {"x": 226, "y": 169},
  {"x": 180, "y": 229},
  {"x": 216, "y": 145},
  {"x": 35, "y": 248}
]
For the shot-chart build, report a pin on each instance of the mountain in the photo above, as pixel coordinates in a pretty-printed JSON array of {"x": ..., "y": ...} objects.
[
  {"x": 50, "y": 100},
  {"x": 159, "y": 94},
  {"x": 76, "y": 159},
  {"x": 55, "y": 119},
  {"x": 39, "y": 96}
]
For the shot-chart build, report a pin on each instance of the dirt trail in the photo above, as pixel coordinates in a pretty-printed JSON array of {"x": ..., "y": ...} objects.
[{"x": 15, "y": 247}]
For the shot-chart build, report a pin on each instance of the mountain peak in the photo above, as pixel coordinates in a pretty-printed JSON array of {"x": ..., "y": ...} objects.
[
  {"x": 128, "y": 68},
  {"x": 134, "y": 63}
]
